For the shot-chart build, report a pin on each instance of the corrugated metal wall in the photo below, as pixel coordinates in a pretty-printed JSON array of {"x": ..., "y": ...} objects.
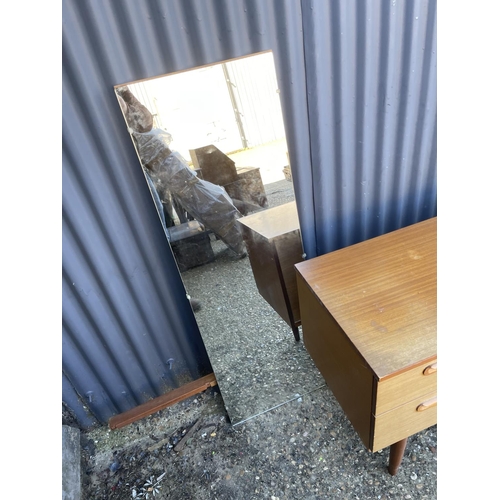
[
  {"x": 128, "y": 331},
  {"x": 357, "y": 83},
  {"x": 371, "y": 87}
]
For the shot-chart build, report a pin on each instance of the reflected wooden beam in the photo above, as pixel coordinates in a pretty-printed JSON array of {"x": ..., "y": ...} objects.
[{"x": 163, "y": 401}]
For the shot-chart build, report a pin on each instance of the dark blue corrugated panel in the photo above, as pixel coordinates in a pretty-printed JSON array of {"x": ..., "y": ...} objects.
[
  {"x": 128, "y": 331},
  {"x": 371, "y": 87},
  {"x": 73, "y": 401},
  {"x": 358, "y": 92}
]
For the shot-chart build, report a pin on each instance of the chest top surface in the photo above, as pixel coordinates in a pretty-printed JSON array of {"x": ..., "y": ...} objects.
[
  {"x": 382, "y": 293},
  {"x": 273, "y": 222}
]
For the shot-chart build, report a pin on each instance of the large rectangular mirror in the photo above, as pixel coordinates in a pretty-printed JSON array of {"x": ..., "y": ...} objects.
[{"x": 211, "y": 143}]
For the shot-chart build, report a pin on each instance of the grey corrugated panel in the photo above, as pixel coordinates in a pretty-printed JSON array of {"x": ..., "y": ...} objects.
[
  {"x": 128, "y": 331},
  {"x": 371, "y": 81},
  {"x": 78, "y": 409},
  {"x": 361, "y": 133}
]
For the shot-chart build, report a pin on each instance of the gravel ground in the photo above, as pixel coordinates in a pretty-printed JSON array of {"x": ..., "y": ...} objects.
[
  {"x": 256, "y": 360},
  {"x": 276, "y": 432},
  {"x": 305, "y": 449}
]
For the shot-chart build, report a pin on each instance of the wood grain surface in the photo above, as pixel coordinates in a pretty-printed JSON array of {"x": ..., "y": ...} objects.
[
  {"x": 273, "y": 222},
  {"x": 382, "y": 293}
]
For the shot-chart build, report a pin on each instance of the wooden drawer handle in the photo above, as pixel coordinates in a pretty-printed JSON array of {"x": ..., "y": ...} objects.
[
  {"x": 427, "y": 404},
  {"x": 431, "y": 369}
]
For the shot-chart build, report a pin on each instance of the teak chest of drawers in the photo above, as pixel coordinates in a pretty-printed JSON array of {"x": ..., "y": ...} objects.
[
  {"x": 274, "y": 245},
  {"x": 368, "y": 316}
]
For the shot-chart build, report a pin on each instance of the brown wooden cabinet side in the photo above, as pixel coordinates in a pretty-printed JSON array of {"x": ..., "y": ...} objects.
[
  {"x": 344, "y": 370},
  {"x": 289, "y": 251},
  {"x": 265, "y": 270}
]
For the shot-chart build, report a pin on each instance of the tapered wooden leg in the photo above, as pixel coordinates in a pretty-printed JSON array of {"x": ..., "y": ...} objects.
[
  {"x": 396, "y": 455},
  {"x": 295, "y": 330}
]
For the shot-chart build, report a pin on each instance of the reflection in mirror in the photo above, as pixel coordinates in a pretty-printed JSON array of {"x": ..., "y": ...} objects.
[{"x": 211, "y": 142}]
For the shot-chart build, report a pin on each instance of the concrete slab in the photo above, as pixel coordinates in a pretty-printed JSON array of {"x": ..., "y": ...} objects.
[{"x": 71, "y": 479}]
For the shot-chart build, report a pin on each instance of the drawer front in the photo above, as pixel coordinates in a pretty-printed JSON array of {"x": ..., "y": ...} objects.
[
  {"x": 412, "y": 384},
  {"x": 402, "y": 422}
]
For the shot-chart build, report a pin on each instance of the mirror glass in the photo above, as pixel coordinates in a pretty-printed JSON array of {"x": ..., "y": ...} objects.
[{"x": 212, "y": 146}]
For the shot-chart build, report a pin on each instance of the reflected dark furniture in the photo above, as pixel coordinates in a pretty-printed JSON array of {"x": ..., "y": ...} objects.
[
  {"x": 216, "y": 167},
  {"x": 243, "y": 184},
  {"x": 369, "y": 323},
  {"x": 191, "y": 245},
  {"x": 274, "y": 245},
  {"x": 249, "y": 189}
]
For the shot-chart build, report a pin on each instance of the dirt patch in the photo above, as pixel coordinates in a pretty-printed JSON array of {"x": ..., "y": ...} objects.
[
  {"x": 115, "y": 463},
  {"x": 305, "y": 449}
]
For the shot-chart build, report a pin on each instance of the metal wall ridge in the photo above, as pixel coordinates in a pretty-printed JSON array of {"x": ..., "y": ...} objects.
[
  {"x": 371, "y": 83},
  {"x": 358, "y": 93}
]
